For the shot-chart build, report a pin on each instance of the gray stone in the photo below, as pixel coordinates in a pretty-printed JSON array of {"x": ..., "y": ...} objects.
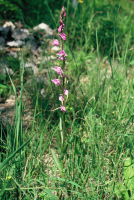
[
  {"x": 15, "y": 43},
  {"x": 1, "y": 29},
  {"x": 9, "y": 24},
  {"x": 31, "y": 67},
  {"x": 37, "y": 80},
  {"x": 41, "y": 80},
  {"x": 2, "y": 108},
  {"x": 13, "y": 54},
  {"x": 2, "y": 41},
  {"x": 45, "y": 59},
  {"x": 43, "y": 93},
  {"x": 45, "y": 27},
  {"x": 2, "y": 48},
  {"x": 20, "y": 34},
  {"x": 4, "y": 72},
  {"x": 5, "y": 32},
  {"x": 55, "y": 49},
  {"x": 35, "y": 46}
]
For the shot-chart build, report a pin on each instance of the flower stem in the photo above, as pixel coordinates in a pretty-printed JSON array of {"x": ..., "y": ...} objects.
[{"x": 64, "y": 134}]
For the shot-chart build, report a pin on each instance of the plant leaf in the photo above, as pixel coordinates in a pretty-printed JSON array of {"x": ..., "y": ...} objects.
[
  {"x": 57, "y": 161},
  {"x": 3, "y": 164}
]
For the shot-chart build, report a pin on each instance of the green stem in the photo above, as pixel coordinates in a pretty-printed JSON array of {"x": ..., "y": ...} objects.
[{"x": 64, "y": 135}]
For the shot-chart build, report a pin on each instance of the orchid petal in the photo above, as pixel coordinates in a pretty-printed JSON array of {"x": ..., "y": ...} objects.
[
  {"x": 63, "y": 108},
  {"x": 56, "y": 81}
]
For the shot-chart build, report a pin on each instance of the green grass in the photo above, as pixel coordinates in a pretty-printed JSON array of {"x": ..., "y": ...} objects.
[{"x": 99, "y": 117}]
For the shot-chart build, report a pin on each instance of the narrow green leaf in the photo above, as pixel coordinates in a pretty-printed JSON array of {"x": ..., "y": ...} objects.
[
  {"x": 3, "y": 86},
  {"x": 132, "y": 62},
  {"x": 49, "y": 193},
  {"x": 61, "y": 130},
  {"x": 19, "y": 187},
  {"x": 3, "y": 164},
  {"x": 12, "y": 83},
  {"x": 57, "y": 161}
]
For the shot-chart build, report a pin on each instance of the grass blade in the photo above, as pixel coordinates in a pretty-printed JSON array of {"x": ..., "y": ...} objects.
[{"x": 13, "y": 154}]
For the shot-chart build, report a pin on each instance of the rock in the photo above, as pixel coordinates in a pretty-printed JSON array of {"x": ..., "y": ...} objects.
[
  {"x": 19, "y": 25},
  {"x": 11, "y": 100},
  {"x": 12, "y": 49},
  {"x": 5, "y": 32},
  {"x": 15, "y": 43},
  {"x": 37, "y": 52},
  {"x": 31, "y": 38},
  {"x": 41, "y": 80},
  {"x": 2, "y": 41},
  {"x": 2, "y": 108},
  {"x": 2, "y": 48},
  {"x": 51, "y": 58},
  {"x": 31, "y": 66},
  {"x": 43, "y": 60},
  {"x": 45, "y": 27},
  {"x": 4, "y": 72},
  {"x": 13, "y": 54},
  {"x": 43, "y": 93},
  {"x": 55, "y": 49},
  {"x": 9, "y": 24},
  {"x": 31, "y": 82},
  {"x": 44, "y": 72},
  {"x": 35, "y": 46},
  {"x": 1, "y": 29},
  {"x": 7, "y": 109},
  {"x": 20, "y": 34}
]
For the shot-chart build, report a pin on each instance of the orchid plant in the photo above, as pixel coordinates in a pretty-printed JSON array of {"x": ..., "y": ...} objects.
[{"x": 62, "y": 81}]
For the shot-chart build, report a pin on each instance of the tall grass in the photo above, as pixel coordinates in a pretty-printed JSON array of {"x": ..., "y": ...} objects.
[{"x": 99, "y": 121}]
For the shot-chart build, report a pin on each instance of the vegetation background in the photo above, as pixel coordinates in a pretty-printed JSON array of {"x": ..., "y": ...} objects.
[{"x": 99, "y": 158}]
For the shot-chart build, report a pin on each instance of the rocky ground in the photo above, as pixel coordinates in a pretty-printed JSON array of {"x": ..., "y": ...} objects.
[{"x": 34, "y": 44}]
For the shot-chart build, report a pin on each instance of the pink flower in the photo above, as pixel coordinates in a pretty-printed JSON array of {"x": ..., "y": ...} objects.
[
  {"x": 64, "y": 14},
  {"x": 60, "y": 29},
  {"x": 57, "y": 69},
  {"x": 61, "y": 22},
  {"x": 56, "y": 81},
  {"x": 61, "y": 98},
  {"x": 63, "y": 108},
  {"x": 65, "y": 92},
  {"x": 55, "y": 42},
  {"x": 61, "y": 58},
  {"x": 63, "y": 10},
  {"x": 63, "y": 36},
  {"x": 62, "y": 53}
]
